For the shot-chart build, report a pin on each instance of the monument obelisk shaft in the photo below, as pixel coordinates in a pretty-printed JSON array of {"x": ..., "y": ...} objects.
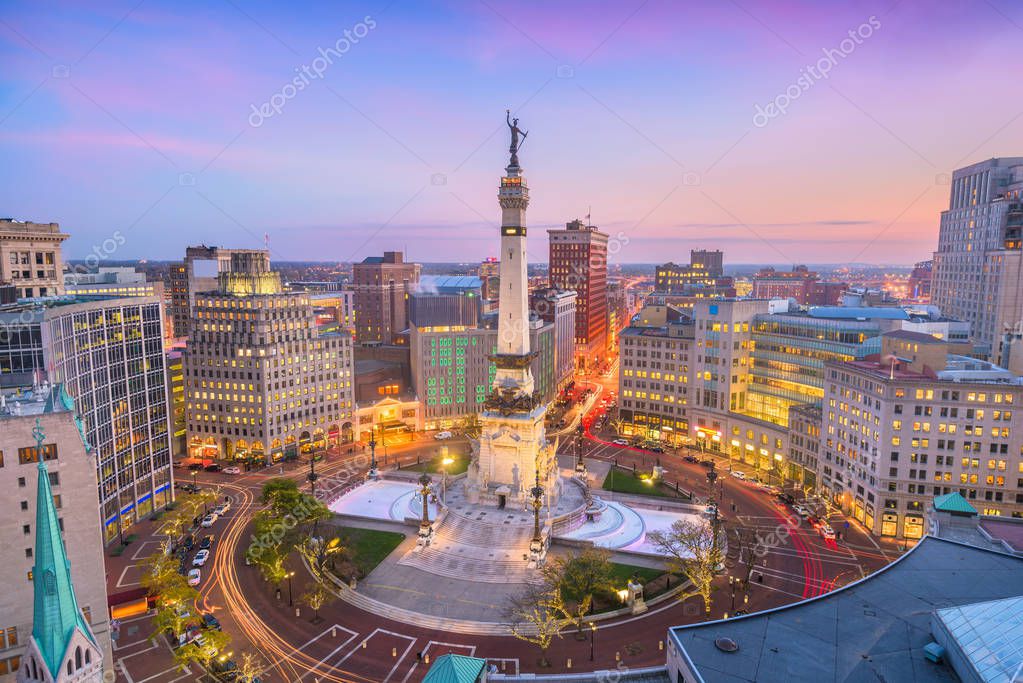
[{"x": 513, "y": 448}]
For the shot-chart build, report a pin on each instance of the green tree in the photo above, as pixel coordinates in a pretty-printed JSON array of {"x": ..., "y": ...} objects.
[
  {"x": 277, "y": 486},
  {"x": 691, "y": 549},
  {"x": 582, "y": 577},
  {"x": 203, "y": 651}
]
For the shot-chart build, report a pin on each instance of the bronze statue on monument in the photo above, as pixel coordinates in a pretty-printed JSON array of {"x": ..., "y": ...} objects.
[{"x": 516, "y": 143}]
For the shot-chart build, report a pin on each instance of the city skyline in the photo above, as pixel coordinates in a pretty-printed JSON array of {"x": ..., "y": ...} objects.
[{"x": 215, "y": 126}]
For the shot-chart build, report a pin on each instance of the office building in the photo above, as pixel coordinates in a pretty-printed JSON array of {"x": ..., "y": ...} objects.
[
  {"x": 801, "y": 284},
  {"x": 489, "y": 273},
  {"x": 453, "y": 372},
  {"x": 446, "y": 300},
  {"x": 198, "y": 273},
  {"x": 382, "y": 286},
  {"x": 262, "y": 382},
  {"x": 578, "y": 261},
  {"x": 705, "y": 270},
  {"x": 30, "y": 257},
  {"x": 50, "y": 517},
  {"x": 174, "y": 362},
  {"x": 557, "y": 307},
  {"x": 919, "y": 285},
  {"x": 917, "y": 421},
  {"x": 108, "y": 353},
  {"x": 111, "y": 281},
  {"x": 978, "y": 272}
]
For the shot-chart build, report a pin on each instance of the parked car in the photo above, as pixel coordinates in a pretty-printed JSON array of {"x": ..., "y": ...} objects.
[
  {"x": 206, "y": 542},
  {"x": 200, "y": 558},
  {"x": 213, "y": 467},
  {"x": 827, "y": 532},
  {"x": 441, "y": 436},
  {"x": 655, "y": 449},
  {"x": 620, "y": 442},
  {"x": 210, "y": 621},
  {"x": 786, "y": 498},
  {"x": 707, "y": 463},
  {"x": 195, "y": 466},
  {"x": 208, "y": 520},
  {"x": 232, "y": 470},
  {"x": 800, "y": 510},
  {"x": 189, "y": 542},
  {"x": 737, "y": 474},
  {"x": 194, "y": 577},
  {"x": 691, "y": 458}
]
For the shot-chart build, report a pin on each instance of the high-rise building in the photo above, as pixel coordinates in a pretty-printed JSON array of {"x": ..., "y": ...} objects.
[
  {"x": 916, "y": 421},
  {"x": 108, "y": 353},
  {"x": 198, "y": 273},
  {"x": 382, "y": 286},
  {"x": 490, "y": 277},
  {"x": 578, "y": 261},
  {"x": 920, "y": 282},
  {"x": 705, "y": 270},
  {"x": 262, "y": 382},
  {"x": 50, "y": 517},
  {"x": 446, "y": 300},
  {"x": 557, "y": 307},
  {"x": 978, "y": 267},
  {"x": 30, "y": 257}
]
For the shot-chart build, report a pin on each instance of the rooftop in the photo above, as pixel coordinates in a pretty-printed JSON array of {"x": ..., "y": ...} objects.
[
  {"x": 871, "y": 630},
  {"x": 40, "y": 400},
  {"x": 954, "y": 502}
]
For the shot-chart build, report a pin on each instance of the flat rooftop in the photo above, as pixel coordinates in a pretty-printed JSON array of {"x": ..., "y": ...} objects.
[
  {"x": 41, "y": 400},
  {"x": 871, "y": 630}
]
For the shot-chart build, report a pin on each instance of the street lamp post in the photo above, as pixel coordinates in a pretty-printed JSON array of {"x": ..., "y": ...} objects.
[
  {"x": 731, "y": 584},
  {"x": 593, "y": 638},
  {"x": 372, "y": 456},
  {"x": 312, "y": 476},
  {"x": 445, "y": 461},
  {"x": 580, "y": 466},
  {"x": 291, "y": 602}
]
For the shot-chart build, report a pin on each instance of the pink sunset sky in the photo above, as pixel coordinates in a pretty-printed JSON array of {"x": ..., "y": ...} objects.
[{"x": 661, "y": 119}]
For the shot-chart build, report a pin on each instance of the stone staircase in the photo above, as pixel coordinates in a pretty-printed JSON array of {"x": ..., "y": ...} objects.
[{"x": 472, "y": 550}]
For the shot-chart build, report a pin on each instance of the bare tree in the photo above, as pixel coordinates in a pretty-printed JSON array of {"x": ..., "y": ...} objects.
[
  {"x": 692, "y": 550},
  {"x": 749, "y": 547},
  {"x": 534, "y": 616}
]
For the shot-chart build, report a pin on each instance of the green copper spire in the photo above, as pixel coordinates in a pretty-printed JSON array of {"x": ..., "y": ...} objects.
[{"x": 56, "y": 613}]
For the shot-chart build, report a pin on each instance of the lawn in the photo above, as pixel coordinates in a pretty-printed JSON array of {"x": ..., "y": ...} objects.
[
  {"x": 625, "y": 482},
  {"x": 623, "y": 572},
  {"x": 368, "y": 547},
  {"x": 460, "y": 464}
]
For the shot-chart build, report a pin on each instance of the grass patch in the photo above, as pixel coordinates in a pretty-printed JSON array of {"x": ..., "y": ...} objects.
[
  {"x": 434, "y": 465},
  {"x": 623, "y": 572},
  {"x": 366, "y": 548},
  {"x": 626, "y": 482}
]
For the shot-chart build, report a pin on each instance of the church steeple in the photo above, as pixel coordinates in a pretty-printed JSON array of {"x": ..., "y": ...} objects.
[{"x": 61, "y": 638}]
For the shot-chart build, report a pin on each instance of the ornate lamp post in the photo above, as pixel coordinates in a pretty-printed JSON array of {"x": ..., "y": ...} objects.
[
  {"x": 372, "y": 456},
  {"x": 312, "y": 476},
  {"x": 425, "y": 529},
  {"x": 445, "y": 461},
  {"x": 536, "y": 544},
  {"x": 580, "y": 466}
]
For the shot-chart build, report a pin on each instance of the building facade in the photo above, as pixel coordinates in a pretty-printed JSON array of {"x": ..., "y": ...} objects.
[
  {"x": 198, "y": 273},
  {"x": 578, "y": 262},
  {"x": 262, "y": 383},
  {"x": 557, "y": 307},
  {"x": 915, "y": 422},
  {"x": 74, "y": 502},
  {"x": 30, "y": 257},
  {"x": 704, "y": 270},
  {"x": 978, "y": 272},
  {"x": 382, "y": 286},
  {"x": 105, "y": 281}
]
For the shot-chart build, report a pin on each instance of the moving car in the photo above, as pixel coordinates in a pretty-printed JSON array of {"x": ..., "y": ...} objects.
[
  {"x": 440, "y": 436},
  {"x": 707, "y": 463},
  {"x": 194, "y": 577},
  {"x": 200, "y": 558},
  {"x": 232, "y": 470},
  {"x": 691, "y": 458},
  {"x": 827, "y": 532},
  {"x": 208, "y": 520},
  {"x": 620, "y": 442},
  {"x": 737, "y": 474}
]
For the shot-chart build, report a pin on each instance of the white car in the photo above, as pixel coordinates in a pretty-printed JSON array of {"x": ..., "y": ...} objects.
[
  {"x": 200, "y": 558},
  {"x": 620, "y": 442},
  {"x": 223, "y": 507},
  {"x": 232, "y": 470},
  {"x": 827, "y": 532},
  {"x": 208, "y": 520},
  {"x": 440, "y": 436},
  {"x": 194, "y": 577},
  {"x": 800, "y": 510},
  {"x": 737, "y": 474}
]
